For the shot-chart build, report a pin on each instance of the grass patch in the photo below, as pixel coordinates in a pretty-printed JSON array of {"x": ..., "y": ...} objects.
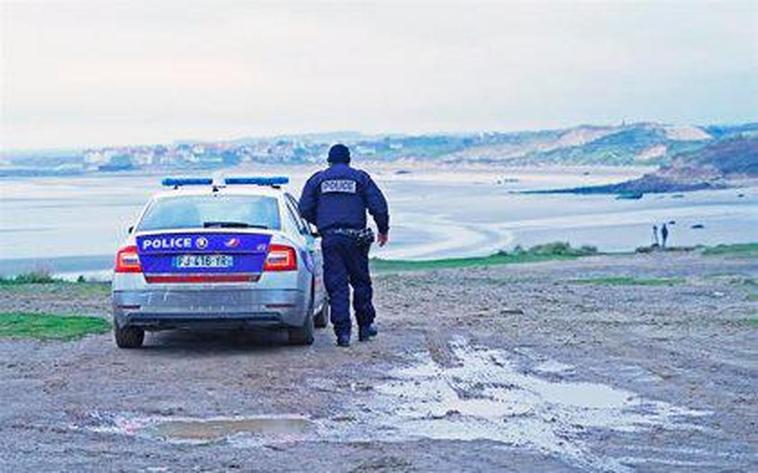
[
  {"x": 746, "y": 250},
  {"x": 547, "y": 252},
  {"x": 49, "y": 326},
  {"x": 33, "y": 277},
  {"x": 38, "y": 277},
  {"x": 628, "y": 281},
  {"x": 41, "y": 281},
  {"x": 63, "y": 289}
]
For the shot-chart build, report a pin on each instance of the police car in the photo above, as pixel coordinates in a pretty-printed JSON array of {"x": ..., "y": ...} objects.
[{"x": 226, "y": 253}]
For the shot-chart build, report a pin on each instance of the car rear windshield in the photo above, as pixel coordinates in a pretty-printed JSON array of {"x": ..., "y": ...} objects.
[{"x": 211, "y": 212}]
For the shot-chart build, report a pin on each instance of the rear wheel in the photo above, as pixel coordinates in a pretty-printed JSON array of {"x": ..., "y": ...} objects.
[
  {"x": 322, "y": 318},
  {"x": 302, "y": 335},
  {"x": 128, "y": 337}
]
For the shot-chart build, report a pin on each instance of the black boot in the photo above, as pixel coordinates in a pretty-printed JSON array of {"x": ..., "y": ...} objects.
[
  {"x": 343, "y": 340},
  {"x": 366, "y": 332}
]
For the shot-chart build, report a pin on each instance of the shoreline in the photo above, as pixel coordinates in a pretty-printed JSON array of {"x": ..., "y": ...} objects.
[{"x": 437, "y": 213}]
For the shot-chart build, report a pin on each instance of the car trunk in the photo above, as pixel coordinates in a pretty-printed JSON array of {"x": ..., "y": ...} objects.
[{"x": 208, "y": 256}]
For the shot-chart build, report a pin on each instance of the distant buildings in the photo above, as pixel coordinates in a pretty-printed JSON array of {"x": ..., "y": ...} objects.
[{"x": 651, "y": 143}]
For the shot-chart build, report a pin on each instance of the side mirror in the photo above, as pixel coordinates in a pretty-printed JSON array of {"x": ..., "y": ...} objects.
[{"x": 130, "y": 229}]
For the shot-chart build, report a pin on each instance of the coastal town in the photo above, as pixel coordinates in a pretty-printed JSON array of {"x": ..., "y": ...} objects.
[
  {"x": 218, "y": 154},
  {"x": 634, "y": 144}
]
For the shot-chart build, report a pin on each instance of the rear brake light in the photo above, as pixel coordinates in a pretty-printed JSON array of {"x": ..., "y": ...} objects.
[
  {"x": 127, "y": 260},
  {"x": 280, "y": 258}
]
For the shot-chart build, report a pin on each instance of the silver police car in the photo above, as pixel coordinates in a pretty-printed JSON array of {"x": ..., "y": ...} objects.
[{"x": 222, "y": 253}]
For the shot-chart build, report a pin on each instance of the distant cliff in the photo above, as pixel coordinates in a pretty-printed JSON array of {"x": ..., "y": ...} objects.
[
  {"x": 726, "y": 163},
  {"x": 645, "y": 143}
]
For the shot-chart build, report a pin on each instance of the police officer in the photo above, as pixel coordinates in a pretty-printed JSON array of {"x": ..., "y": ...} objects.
[{"x": 335, "y": 200}]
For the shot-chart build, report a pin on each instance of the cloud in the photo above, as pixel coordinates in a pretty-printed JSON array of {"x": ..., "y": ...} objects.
[{"x": 96, "y": 73}]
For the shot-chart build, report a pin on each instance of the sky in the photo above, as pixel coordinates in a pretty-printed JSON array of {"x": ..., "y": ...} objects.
[{"x": 97, "y": 73}]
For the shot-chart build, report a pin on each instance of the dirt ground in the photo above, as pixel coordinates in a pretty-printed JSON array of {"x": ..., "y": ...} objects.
[{"x": 507, "y": 368}]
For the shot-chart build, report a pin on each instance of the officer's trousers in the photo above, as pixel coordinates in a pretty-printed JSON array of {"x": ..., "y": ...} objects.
[{"x": 346, "y": 263}]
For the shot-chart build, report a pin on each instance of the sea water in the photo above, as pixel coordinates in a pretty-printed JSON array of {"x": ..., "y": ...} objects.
[{"x": 75, "y": 224}]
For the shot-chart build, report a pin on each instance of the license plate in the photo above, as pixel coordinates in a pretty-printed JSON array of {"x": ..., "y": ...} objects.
[{"x": 204, "y": 261}]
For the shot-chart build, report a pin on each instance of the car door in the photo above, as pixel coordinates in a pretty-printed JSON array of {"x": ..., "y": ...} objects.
[{"x": 313, "y": 244}]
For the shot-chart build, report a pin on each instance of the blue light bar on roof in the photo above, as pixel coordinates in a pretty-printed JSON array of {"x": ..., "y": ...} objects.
[
  {"x": 258, "y": 181},
  {"x": 186, "y": 181},
  {"x": 230, "y": 181}
]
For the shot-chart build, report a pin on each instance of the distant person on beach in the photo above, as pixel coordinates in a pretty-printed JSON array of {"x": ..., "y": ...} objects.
[
  {"x": 664, "y": 234},
  {"x": 655, "y": 235}
]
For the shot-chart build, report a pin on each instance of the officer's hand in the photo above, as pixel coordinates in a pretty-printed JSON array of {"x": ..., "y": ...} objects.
[{"x": 382, "y": 239}]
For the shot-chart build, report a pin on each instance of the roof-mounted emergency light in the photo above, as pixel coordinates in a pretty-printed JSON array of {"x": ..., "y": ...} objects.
[
  {"x": 177, "y": 182},
  {"x": 258, "y": 181},
  {"x": 186, "y": 181}
]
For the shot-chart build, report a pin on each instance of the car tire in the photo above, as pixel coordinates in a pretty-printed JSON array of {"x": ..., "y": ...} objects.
[
  {"x": 128, "y": 337},
  {"x": 302, "y": 335},
  {"x": 322, "y": 318}
]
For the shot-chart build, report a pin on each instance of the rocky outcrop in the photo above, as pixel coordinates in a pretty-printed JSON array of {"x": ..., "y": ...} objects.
[{"x": 723, "y": 164}]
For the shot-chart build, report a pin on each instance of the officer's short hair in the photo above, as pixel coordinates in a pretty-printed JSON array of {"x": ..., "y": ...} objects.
[{"x": 339, "y": 153}]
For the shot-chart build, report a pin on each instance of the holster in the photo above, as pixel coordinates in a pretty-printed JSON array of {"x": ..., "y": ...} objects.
[{"x": 363, "y": 238}]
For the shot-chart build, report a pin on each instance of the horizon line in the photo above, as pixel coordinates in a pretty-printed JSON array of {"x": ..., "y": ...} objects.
[{"x": 177, "y": 141}]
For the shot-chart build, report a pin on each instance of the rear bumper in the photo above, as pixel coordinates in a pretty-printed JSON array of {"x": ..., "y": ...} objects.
[{"x": 216, "y": 308}]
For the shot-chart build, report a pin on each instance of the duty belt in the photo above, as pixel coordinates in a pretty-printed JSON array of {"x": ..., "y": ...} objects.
[{"x": 363, "y": 237}]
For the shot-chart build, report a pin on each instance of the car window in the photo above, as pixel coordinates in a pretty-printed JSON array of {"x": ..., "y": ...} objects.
[
  {"x": 295, "y": 206},
  {"x": 218, "y": 210},
  {"x": 308, "y": 228},
  {"x": 295, "y": 214}
]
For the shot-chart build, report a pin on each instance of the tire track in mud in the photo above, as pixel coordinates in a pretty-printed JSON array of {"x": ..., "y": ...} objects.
[{"x": 460, "y": 391}]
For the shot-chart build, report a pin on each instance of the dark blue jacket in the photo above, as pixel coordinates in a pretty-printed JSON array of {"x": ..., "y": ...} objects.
[{"x": 339, "y": 196}]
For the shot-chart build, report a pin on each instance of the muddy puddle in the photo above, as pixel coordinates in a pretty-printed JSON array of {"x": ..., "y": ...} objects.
[
  {"x": 213, "y": 430},
  {"x": 484, "y": 395},
  {"x": 239, "y": 430}
]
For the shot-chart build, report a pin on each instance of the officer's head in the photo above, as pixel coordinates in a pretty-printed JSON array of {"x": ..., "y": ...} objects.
[{"x": 339, "y": 153}]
